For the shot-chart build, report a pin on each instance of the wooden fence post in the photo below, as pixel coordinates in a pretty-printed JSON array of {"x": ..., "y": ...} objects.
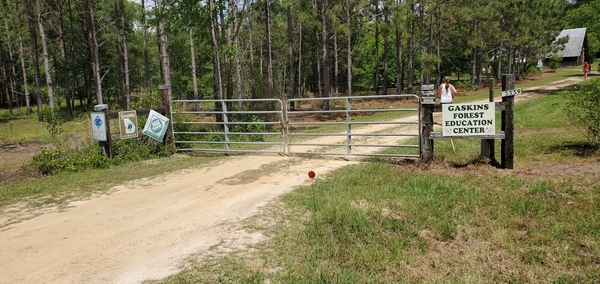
[
  {"x": 426, "y": 130},
  {"x": 165, "y": 102},
  {"x": 488, "y": 147},
  {"x": 507, "y": 151}
]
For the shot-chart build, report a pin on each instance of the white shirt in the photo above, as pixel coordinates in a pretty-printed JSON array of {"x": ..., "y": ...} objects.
[{"x": 446, "y": 93}]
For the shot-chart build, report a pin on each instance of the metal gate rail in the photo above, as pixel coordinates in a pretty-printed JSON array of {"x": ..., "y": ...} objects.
[
  {"x": 229, "y": 134},
  {"x": 298, "y": 126},
  {"x": 298, "y": 131}
]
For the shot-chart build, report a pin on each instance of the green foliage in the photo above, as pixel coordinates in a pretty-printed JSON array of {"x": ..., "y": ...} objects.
[
  {"x": 88, "y": 156},
  {"x": 533, "y": 70},
  {"x": 555, "y": 61},
  {"x": 138, "y": 149},
  {"x": 583, "y": 109},
  {"x": 53, "y": 161},
  {"x": 53, "y": 121},
  {"x": 464, "y": 85},
  {"x": 586, "y": 16},
  {"x": 144, "y": 100},
  {"x": 256, "y": 127}
]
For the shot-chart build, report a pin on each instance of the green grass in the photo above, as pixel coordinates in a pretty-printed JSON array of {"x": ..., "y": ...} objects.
[
  {"x": 65, "y": 185},
  {"x": 23, "y": 130},
  {"x": 538, "y": 80},
  {"x": 385, "y": 223},
  {"x": 455, "y": 221}
]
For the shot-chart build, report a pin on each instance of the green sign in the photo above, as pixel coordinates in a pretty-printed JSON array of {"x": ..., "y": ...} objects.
[
  {"x": 156, "y": 126},
  {"x": 128, "y": 124}
]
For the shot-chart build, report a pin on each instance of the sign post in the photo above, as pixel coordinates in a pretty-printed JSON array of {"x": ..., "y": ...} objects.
[
  {"x": 507, "y": 147},
  {"x": 427, "y": 106},
  {"x": 488, "y": 146}
]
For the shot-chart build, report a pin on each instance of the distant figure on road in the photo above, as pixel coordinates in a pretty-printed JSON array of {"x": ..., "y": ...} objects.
[
  {"x": 586, "y": 69},
  {"x": 447, "y": 91}
]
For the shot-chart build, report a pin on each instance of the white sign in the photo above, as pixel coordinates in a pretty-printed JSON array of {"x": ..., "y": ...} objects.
[
  {"x": 473, "y": 119},
  {"x": 511, "y": 93},
  {"x": 156, "y": 126},
  {"x": 427, "y": 98},
  {"x": 99, "y": 126}
]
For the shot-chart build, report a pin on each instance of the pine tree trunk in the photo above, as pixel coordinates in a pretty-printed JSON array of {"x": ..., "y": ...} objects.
[
  {"x": 376, "y": 68},
  {"x": 126, "y": 87},
  {"x": 24, "y": 71},
  {"x": 10, "y": 92},
  {"x": 93, "y": 51},
  {"x": 399, "y": 62},
  {"x": 145, "y": 45},
  {"x": 64, "y": 63},
  {"x": 6, "y": 89},
  {"x": 47, "y": 70},
  {"x": 430, "y": 46},
  {"x": 291, "y": 60},
  {"x": 438, "y": 47},
  {"x": 252, "y": 67},
  {"x": 194, "y": 75},
  {"x": 300, "y": 90},
  {"x": 270, "y": 82},
  {"x": 318, "y": 59},
  {"x": 336, "y": 68},
  {"x": 326, "y": 57},
  {"x": 411, "y": 49},
  {"x": 34, "y": 56},
  {"x": 499, "y": 60},
  {"x": 386, "y": 49},
  {"x": 164, "y": 47},
  {"x": 218, "y": 86},
  {"x": 349, "y": 48}
]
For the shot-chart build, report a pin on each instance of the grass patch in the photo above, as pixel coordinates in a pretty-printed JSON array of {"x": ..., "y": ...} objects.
[
  {"x": 411, "y": 225},
  {"x": 456, "y": 221},
  {"x": 537, "y": 80},
  {"x": 84, "y": 184}
]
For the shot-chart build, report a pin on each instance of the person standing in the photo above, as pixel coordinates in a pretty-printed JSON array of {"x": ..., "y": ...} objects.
[
  {"x": 586, "y": 70},
  {"x": 447, "y": 91}
]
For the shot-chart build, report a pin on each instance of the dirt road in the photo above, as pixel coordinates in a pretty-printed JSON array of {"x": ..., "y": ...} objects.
[{"x": 146, "y": 229}]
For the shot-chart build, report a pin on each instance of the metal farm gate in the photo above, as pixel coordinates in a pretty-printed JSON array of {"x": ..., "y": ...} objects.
[{"x": 350, "y": 126}]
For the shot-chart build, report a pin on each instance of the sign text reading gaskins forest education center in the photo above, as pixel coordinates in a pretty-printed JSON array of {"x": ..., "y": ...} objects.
[{"x": 473, "y": 119}]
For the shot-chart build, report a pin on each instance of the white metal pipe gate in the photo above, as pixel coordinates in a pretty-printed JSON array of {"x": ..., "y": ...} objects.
[{"x": 356, "y": 126}]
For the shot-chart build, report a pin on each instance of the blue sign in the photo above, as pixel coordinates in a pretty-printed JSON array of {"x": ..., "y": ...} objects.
[{"x": 99, "y": 126}]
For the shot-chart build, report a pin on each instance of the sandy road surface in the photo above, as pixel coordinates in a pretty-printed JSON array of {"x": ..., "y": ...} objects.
[{"x": 146, "y": 229}]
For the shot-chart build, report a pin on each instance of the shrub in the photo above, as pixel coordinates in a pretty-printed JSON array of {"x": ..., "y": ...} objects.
[
  {"x": 53, "y": 121},
  {"x": 583, "y": 109},
  {"x": 88, "y": 156},
  {"x": 555, "y": 62},
  {"x": 53, "y": 161},
  {"x": 465, "y": 85}
]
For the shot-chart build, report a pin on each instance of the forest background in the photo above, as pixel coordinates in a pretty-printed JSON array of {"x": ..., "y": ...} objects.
[{"x": 67, "y": 55}]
